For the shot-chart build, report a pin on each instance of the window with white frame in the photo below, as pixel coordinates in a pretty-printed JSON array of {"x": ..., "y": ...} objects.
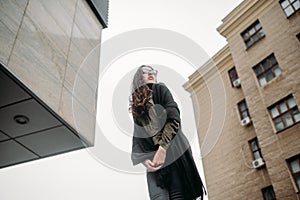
[
  {"x": 290, "y": 6},
  {"x": 285, "y": 113}
]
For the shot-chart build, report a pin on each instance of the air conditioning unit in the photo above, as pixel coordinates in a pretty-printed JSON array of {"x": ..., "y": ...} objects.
[
  {"x": 258, "y": 163},
  {"x": 236, "y": 83},
  {"x": 246, "y": 121}
]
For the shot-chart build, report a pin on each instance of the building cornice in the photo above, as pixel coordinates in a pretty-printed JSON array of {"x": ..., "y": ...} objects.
[
  {"x": 242, "y": 16},
  {"x": 205, "y": 73}
]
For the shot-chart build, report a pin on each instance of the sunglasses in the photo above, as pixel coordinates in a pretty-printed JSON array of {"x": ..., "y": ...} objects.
[{"x": 150, "y": 71}]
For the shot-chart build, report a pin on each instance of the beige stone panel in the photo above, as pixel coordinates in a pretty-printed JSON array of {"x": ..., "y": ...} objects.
[
  {"x": 87, "y": 23},
  {"x": 66, "y": 107},
  {"x": 77, "y": 116},
  {"x": 54, "y": 20},
  {"x": 83, "y": 71},
  {"x": 77, "y": 53},
  {"x": 87, "y": 67},
  {"x": 85, "y": 122},
  {"x": 70, "y": 76},
  {"x": 80, "y": 47},
  {"x": 6, "y": 42},
  {"x": 81, "y": 90},
  {"x": 85, "y": 43},
  {"x": 29, "y": 69},
  {"x": 11, "y": 13},
  {"x": 46, "y": 53},
  {"x": 84, "y": 94}
]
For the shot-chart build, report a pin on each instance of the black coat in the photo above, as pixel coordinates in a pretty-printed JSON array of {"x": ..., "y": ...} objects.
[{"x": 179, "y": 155}]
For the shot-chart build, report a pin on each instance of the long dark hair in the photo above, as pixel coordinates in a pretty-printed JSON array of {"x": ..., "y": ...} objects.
[{"x": 139, "y": 93}]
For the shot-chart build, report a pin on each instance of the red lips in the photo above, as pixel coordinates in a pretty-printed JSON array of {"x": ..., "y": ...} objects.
[{"x": 150, "y": 78}]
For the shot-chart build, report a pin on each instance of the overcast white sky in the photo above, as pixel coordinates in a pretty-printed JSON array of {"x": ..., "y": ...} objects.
[{"x": 78, "y": 175}]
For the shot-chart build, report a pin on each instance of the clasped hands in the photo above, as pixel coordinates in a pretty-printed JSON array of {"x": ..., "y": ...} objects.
[{"x": 158, "y": 160}]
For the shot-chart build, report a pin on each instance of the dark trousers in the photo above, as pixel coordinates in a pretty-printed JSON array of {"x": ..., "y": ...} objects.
[{"x": 174, "y": 191}]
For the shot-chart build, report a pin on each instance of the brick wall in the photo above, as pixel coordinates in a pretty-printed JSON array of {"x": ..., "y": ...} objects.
[{"x": 228, "y": 164}]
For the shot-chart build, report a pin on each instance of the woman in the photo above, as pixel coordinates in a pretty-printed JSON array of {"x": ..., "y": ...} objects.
[{"x": 158, "y": 141}]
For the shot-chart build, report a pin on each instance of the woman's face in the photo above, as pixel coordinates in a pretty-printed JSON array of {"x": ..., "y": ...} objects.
[{"x": 149, "y": 75}]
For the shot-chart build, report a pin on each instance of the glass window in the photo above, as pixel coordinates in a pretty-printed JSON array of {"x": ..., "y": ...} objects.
[
  {"x": 267, "y": 70},
  {"x": 297, "y": 179},
  {"x": 290, "y": 6},
  {"x": 243, "y": 109},
  {"x": 285, "y": 113},
  {"x": 294, "y": 165},
  {"x": 283, "y": 107},
  {"x": 252, "y": 34},
  {"x": 255, "y": 148},
  {"x": 277, "y": 71},
  {"x": 272, "y": 60},
  {"x": 257, "y": 26},
  {"x": 268, "y": 193},
  {"x": 269, "y": 75},
  {"x": 274, "y": 112},
  {"x": 288, "y": 119},
  {"x": 249, "y": 43},
  {"x": 244, "y": 115},
  {"x": 265, "y": 64},
  {"x": 262, "y": 80},
  {"x": 289, "y": 11},
  {"x": 246, "y": 36},
  {"x": 284, "y": 4},
  {"x": 279, "y": 124},
  {"x": 243, "y": 106},
  {"x": 296, "y": 5},
  {"x": 256, "y": 155},
  {"x": 251, "y": 31},
  {"x": 296, "y": 114},
  {"x": 291, "y": 102},
  {"x": 258, "y": 70},
  {"x": 254, "y": 145},
  {"x": 233, "y": 75}
]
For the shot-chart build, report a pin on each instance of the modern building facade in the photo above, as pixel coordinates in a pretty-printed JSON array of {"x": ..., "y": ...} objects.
[
  {"x": 49, "y": 66},
  {"x": 256, "y": 154}
]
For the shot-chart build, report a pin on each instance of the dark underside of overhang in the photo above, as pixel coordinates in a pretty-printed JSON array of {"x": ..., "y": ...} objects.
[{"x": 29, "y": 129}]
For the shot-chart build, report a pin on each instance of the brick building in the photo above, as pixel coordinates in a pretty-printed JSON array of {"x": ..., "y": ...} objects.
[{"x": 247, "y": 100}]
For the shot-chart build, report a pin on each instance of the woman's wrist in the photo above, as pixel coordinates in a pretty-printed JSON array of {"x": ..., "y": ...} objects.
[{"x": 163, "y": 147}]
